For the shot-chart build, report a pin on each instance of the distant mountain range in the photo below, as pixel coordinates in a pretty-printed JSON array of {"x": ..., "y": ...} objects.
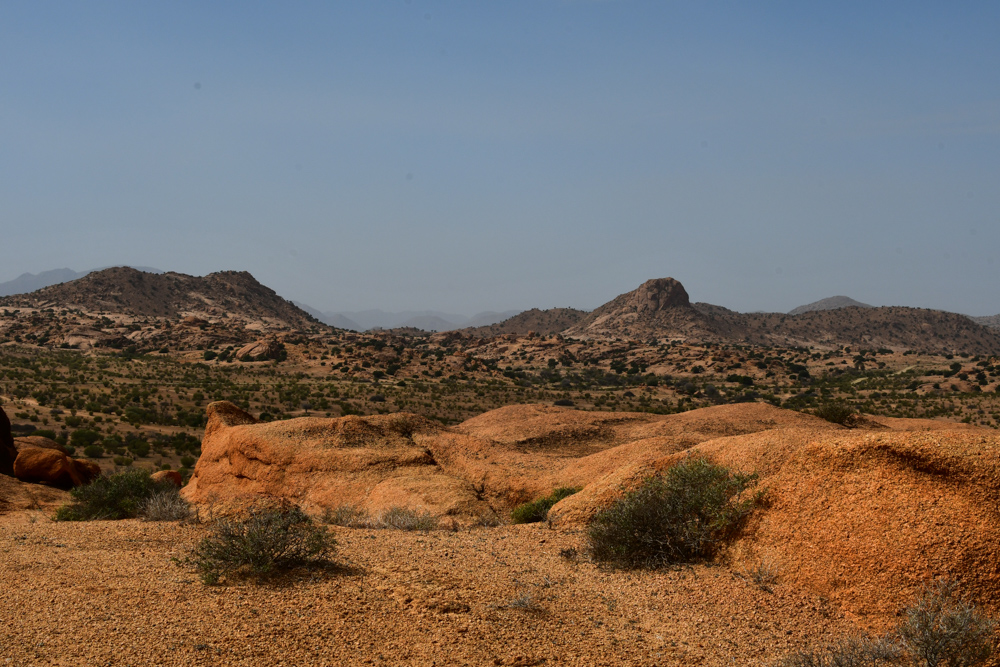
[
  {"x": 659, "y": 308},
  {"x": 427, "y": 320}
]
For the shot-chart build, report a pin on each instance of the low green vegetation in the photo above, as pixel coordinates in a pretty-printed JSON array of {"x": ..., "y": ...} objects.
[
  {"x": 538, "y": 510},
  {"x": 265, "y": 543},
  {"x": 122, "y": 495},
  {"x": 680, "y": 517},
  {"x": 837, "y": 412}
]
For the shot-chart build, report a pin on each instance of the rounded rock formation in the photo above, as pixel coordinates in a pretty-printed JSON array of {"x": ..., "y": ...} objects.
[{"x": 52, "y": 467}]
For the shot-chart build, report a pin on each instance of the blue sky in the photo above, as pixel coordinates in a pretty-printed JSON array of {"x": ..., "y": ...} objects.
[{"x": 469, "y": 156}]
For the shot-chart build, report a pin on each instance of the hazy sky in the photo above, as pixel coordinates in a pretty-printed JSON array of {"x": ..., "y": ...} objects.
[{"x": 469, "y": 156}]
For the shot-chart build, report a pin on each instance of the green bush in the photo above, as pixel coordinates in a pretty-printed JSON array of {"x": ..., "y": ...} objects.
[
  {"x": 93, "y": 451},
  {"x": 680, "y": 517},
  {"x": 117, "y": 496},
  {"x": 268, "y": 541},
  {"x": 84, "y": 438},
  {"x": 837, "y": 412},
  {"x": 139, "y": 447},
  {"x": 538, "y": 510}
]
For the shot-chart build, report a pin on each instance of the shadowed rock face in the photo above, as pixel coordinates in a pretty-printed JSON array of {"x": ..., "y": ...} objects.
[{"x": 7, "y": 450}]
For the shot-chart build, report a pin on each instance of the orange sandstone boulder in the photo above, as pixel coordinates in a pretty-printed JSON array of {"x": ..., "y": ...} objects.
[
  {"x": 171, "y": 476},
  {"x": 88, "y": 470},
  {"x": 369, "y": 462},
  {"x": 47, "y": 466}
]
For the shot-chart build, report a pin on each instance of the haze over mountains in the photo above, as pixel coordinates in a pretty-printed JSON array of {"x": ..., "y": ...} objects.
[
  {"x": 29, "y": 282},
  {"x": 226, "y": 295},
  {"x": 658, "y": 309},
  {"x": 427, "y": 320},
  {"x": 830, "y": 303}
]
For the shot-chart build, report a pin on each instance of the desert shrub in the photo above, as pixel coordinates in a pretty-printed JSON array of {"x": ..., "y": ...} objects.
[
  {"x": 165, "y": 505},
  {"x": 188, "y": 461},
  {"x": 122, "y": 461},
  {"x": 488, "y": 519},
  {"x": 399, "y": 518},
  {"x": 117, "y": 496},
  {"x": 837, "y": 412},
  {"x": 264, "y": 543},
  {"x": 679, "y": 517},
  {"x": 939, "y": 630},
  {"x": 93, "y": 451},
  {"x": 402, "y": 518},
  {"x": 347, "y": 516},
  {"x": 942, "y": 629},
  {"x": 538, "y": 510},
  {"x": 848, "y": 652}
]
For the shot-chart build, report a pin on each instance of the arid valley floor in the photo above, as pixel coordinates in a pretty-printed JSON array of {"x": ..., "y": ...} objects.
[{"x": 245, "y": 397}]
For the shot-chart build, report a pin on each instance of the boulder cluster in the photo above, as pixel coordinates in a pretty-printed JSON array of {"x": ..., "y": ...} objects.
[{"x": 41, "y": 460}]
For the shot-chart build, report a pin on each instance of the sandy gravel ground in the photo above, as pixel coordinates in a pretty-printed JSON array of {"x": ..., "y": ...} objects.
[{"x": 108, "y": 593}]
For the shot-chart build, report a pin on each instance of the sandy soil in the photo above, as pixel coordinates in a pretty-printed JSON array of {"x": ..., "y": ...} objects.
[{"x": 108, "y": 593}]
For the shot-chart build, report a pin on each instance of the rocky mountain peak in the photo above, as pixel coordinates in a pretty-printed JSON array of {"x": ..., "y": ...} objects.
[{"x": 657, "y": 294}]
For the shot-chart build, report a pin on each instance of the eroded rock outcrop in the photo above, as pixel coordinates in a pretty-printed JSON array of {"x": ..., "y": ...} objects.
[
  {"x": 171, "y": 476},
  {"x": 863, "y": 517},
  {"x": 261, "y": 350},
  {"x": 367, "y": 462}
]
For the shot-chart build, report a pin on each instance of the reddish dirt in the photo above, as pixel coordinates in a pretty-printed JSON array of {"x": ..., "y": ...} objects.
[
  {"x": 107, "y": 593},
  {"x": 856, "y": 521}
]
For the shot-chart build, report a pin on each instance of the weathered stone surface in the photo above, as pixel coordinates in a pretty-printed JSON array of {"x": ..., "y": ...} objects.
[
  {"x": 260, "y": 350},
  {"x": 41, "y": 442},
  {"x": 47, "y": 466},
  {"x": 171, "y": 476},
  {"x": 370, "y": 462},
  {"x": 88, "y": 470}
]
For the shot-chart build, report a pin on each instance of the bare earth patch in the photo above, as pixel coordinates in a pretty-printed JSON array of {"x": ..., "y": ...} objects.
[{"x": 108, "y": 593}]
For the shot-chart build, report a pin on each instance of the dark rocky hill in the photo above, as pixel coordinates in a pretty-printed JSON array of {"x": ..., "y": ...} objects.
[
  {"x": 660, "y": 309},
  {"x": 542, "y": 322},
  {"x": 830, "y": 303},
  {"x": 127, "y": 291}
]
